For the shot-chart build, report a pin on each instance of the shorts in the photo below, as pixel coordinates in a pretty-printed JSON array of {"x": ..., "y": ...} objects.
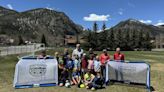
[{"x": 75, "y": 74}]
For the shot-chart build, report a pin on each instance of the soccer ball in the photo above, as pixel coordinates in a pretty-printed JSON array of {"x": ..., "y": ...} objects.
[
  {"x": 82, "y": 86},
  {"x": 67, "y": 85}
]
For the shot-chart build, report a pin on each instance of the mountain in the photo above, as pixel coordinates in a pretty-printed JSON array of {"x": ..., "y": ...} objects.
[
  {"x": 4, "y": 11},
  {"x": 135, "y": 25},
  {"x": 161, "y": 27},
  {"x": 32, "y": 24}
]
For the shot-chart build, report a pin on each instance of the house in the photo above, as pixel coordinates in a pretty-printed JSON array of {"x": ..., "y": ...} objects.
[{"x": 71, "y": 40}]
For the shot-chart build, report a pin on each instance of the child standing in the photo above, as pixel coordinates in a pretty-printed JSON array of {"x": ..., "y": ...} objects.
[
  {"x": 76, "y": 62},
  {"x": 60, "y": 66},
  {"x": 91, "y": 64},
  {"x": 84, "y": 64},
  {"x": 97, "y": 64},
  {"x": 69, "y": 66}
]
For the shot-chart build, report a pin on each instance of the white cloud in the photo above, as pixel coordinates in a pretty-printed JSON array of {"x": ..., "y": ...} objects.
[
  {"x": 95, "y": 17},
  {"x": 160, "y": 22},
  {"x": 9, "y": 6},
  {"x": 146, "y": 21}
]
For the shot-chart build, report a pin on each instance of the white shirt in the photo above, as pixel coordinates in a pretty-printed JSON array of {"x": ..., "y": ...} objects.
[{"x": 77, "y": 52}]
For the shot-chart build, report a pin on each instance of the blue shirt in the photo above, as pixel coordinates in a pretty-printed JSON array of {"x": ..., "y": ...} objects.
[
  {"x": 76, "y": 64},
  {"x": 69, "y": 64},
  {"x": 97, "y": 65}
]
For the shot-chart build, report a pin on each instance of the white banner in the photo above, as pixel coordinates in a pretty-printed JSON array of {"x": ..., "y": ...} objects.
[
  {"x": 30, "y": 71},
  {"x": 131, "y": 72}
]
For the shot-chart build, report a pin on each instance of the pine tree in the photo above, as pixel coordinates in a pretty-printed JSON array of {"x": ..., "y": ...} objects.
[
  {"x": 110, "y": 39},
  {"x": 103, "y": 41},
  {"x": 133, "y": 39},
  {"x": 95, "y": 27},
  {"x": 139, "y": 41},
  {"x": 102, "y": 38},
  {"x": 147, "y": 42},
  {"x": 95, "y": 38},
  {"x": 127, "y": 41},
  {"x": 103, "y": 26},
  {"x": 43, "y": 40},
  {"x": 118, "y": 38},
  {"x": 20, "y": 40}
]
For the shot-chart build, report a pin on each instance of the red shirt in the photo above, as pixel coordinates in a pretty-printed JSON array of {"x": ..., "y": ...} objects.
[
  {"x": 118, "y": 56},
  {"x": 84, "y": 63},
  {"x": 104, "y": 58}
]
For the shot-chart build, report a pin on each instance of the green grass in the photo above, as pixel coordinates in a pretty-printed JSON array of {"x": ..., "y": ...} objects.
[{"x": 155, "y": 59}]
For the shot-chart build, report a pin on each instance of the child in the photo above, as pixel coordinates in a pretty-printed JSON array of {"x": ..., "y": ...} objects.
[
  {"x": 69, "y": 66},
  {"x": 63, "y": 77},
  {"x": 76, "y": 78},
  {"x": 76, "y": 71},
  {"x": 76, "y": 62},
  {"x": 64, "y": 56},
  {"x": 57, "y": 56},
  {"x": 84, "y": 64},
  {"x": 60, "y": 66},
  {"x": 98, "y": 81},
  {"x": 97, "y": 64},
  {"x": 91, "y": 64},
  {"x": 88, "y": 79}
]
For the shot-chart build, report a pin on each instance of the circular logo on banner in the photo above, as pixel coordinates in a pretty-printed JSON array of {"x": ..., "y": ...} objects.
[{"x": 38, "y": 70}]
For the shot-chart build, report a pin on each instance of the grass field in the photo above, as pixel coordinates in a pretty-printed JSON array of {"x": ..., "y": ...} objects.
[{"x": 155, "y": 59}]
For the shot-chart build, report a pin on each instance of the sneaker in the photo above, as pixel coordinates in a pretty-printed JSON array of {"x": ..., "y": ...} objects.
[
  {"x": 87, "y": 87},
  {"x": 93, "y": 89}
]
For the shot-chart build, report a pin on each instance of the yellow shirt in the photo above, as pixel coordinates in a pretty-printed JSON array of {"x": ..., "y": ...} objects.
[{"x": 88, "y": 77}]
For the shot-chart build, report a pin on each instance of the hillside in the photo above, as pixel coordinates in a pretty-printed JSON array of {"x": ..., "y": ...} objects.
[
  {"x": 161, "y": 27},
  {"x": 135, "y": 25},
  {"x": 32, "y": 24}
]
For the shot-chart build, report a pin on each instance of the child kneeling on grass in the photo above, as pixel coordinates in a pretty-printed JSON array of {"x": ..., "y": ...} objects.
[
  {"x": 88, "y": 79},
  {"x": 76, "y": 78},
  {"x": 93, "y": 82},
  {"x": 76, "y": 71},
  {"x": 98, "y": 81},
  {"x": 63, "y": 77}
]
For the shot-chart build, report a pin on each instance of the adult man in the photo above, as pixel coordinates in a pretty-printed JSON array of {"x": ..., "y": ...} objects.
[
  {"x": 78, "y": 51},
  {"x": 118, "y": 56},
  {"x": 104, "y": 58}
]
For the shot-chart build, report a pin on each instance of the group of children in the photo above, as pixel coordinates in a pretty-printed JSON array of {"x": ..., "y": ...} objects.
[{"x": 80, "y": 71}]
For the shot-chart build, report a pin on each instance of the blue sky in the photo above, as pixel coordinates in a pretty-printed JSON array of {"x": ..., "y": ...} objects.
[{"x": 84, "y": 12}]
